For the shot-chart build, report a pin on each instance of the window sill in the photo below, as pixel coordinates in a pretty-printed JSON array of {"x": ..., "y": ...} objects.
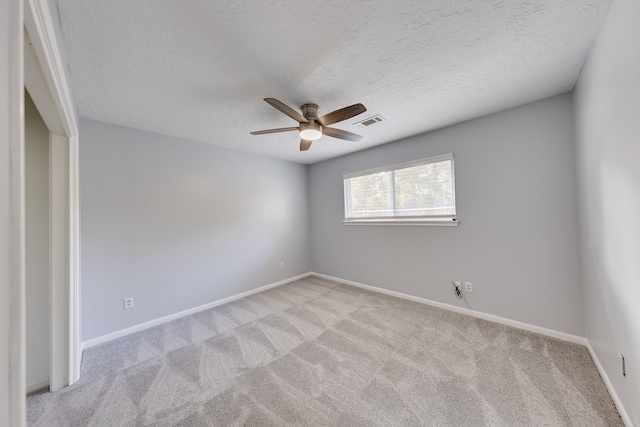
[{"x": 430, "y": 222}]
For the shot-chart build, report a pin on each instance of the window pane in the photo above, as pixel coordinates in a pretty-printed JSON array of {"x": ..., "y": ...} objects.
[
  {"x": 371, "y": 195},
  {"x": 424, "y": 190}
]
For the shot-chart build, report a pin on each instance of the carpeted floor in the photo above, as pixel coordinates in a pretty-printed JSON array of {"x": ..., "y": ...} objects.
[{"x": 319, "y": 353}]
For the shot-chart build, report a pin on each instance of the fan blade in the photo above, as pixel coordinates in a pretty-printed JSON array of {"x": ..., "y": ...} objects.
[
  {"x": 305, "y": 144},
  {"x": 341, "y": 114},
  {"x": 262, "y": 132},
  {"x": 341, "y": 134},
  {"x": 287, "y": 110}
]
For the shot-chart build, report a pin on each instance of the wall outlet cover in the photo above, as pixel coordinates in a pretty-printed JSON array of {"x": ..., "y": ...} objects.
[{"x": 468, "y": 287}]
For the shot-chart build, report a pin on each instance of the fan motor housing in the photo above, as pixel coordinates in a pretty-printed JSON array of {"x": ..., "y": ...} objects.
[{"x": 310, "y": 111}]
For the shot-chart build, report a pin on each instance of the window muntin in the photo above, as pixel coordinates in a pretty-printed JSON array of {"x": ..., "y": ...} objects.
[{"x": 421, "y": 190}]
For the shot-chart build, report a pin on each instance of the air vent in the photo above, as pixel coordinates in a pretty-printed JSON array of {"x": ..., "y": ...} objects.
[{"x": 370, "y": 121}]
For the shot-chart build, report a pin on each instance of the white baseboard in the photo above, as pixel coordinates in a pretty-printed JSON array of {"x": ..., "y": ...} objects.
[
  {"x": 490, "y": 317},
  {"x": 146, "y": 325},
  {"x": 38, "y": 385},
  {"x": 623, "y": 414},
  {"x": 480, "y": 315}
]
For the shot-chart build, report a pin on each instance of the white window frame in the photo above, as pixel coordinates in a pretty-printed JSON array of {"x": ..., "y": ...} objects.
[{"x": 432, "y": 220}]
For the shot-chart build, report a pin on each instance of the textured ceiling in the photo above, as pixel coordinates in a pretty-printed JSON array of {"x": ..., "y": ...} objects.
[{"x": 200, "y": 69}]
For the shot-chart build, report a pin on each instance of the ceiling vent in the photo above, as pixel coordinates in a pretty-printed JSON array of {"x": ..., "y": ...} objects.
[{"x": 370, "y": 121}]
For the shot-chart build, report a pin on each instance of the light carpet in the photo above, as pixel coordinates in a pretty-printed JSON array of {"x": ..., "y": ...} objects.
[{"x": 319, "y": 353}]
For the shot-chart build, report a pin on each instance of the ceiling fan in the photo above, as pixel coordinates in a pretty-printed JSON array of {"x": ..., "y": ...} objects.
[{"x": 313, "y": 127}]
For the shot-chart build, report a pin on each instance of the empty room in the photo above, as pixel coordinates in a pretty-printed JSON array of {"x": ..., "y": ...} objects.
[{"x": 333, "y": 213}]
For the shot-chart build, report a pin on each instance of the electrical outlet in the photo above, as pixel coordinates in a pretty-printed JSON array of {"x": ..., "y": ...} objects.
[
  {"x": 468, "y": 287},
  {"x": 458, "y": 284},
  {"x": 282, "y": 266},
  {"x": 128, "y": 303}
]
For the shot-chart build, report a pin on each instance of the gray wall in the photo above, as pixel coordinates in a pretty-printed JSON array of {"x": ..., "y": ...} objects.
[
  {"x": 37, "y": 252},
  {"x": 517, "y": 241},
  {"x": 177, "y": 224},
  {"x": 607, "y": 99}
]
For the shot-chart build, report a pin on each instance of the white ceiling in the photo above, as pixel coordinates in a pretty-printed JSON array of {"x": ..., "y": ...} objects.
[{"x": 200, "y": 69}]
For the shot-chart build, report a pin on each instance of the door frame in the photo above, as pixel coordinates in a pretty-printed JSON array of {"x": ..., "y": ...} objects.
[
  {"x": 35, "y": 16},
  {"x": 45, "y": 78}
]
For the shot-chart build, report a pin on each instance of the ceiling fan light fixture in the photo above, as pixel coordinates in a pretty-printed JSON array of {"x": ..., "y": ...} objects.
[
  {"x": 313, "y": 127},
  {"x": 310, "y": 131}
]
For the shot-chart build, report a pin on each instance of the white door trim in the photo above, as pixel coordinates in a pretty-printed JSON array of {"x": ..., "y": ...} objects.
[
  {"x": 39, "y": 23},
  {"x": 12, "y": 272},
  {"x": 57, "y": 106},
  {"x": 73, "y": 303},
  {"x": 59, "y": 277}
]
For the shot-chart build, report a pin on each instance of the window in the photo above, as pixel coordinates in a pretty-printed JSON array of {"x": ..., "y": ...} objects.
[{"x": 420, "y": 192}]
